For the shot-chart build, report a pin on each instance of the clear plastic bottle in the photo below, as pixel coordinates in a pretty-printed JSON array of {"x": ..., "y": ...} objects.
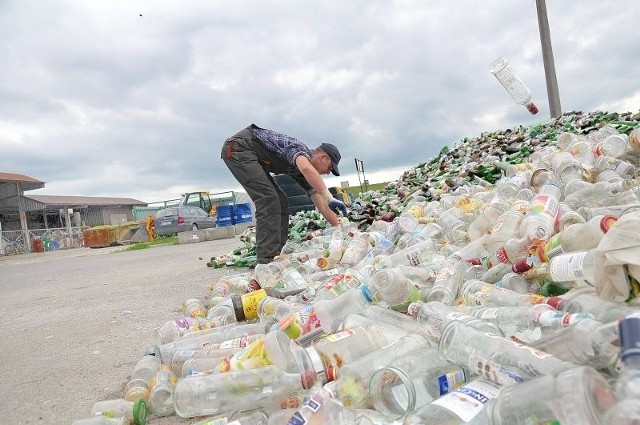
[
  {"x": 459, "y": 407},
  {"x": 134, "y": 412},
  {"x": 161, "y": 394},
  {"x": 501, "y": 360},
  {"x": 413, "y": 380},
  {"x": 394, "y": 288},
  {"x": 577, "y": 237},
  {"x": 518, "y": 91},
  {"x": 143, "y": 373},
  {"x": 265, "y": 387},
  {"x": 352, "y": 384},
  {"x": 576, "y": 396}
]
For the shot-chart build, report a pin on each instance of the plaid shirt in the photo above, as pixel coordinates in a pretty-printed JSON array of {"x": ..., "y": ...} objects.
[{"x": 286, "y": 147}]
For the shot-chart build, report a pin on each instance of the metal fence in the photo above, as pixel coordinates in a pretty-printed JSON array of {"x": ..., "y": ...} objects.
[{"x": 13, "y": 241}]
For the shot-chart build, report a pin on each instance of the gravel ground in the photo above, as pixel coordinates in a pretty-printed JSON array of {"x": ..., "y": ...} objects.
[{"x": 73, "y": 323}]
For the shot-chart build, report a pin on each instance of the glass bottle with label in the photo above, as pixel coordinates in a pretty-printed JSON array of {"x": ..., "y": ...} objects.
[
  {"x": 210, "y": 338},
  {"x": 434, "y": 316},
  {"x": 412, "y": 256},
  {"x": 514, "y": 319},
  {"x": 412, "y": 381},
  {"x": 587, "y": 342},
  {"x": 576, "y": 396},
  {"x": 102, "y": 420},
  {"x": 224, "y": 393},
  {"x": 518, "y": 91},
  {"x": 566, "y": 268},
  {"x": 330, "y": 313},
  {"x": 134, "y": 412},
  {"x": 461, "y": 406},
  {"x": 577, "y": 237},
  {"x": 479, "y": 293},
  {"x": 501, "y": 360}
]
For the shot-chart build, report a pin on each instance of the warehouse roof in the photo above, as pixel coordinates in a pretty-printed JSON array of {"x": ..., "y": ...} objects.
[
  {"x": 84, "y": 200},
  {"x": 28, "y": 183}
]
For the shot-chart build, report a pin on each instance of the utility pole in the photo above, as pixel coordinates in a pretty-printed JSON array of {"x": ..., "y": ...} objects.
[{"x": 547, "y": 58}]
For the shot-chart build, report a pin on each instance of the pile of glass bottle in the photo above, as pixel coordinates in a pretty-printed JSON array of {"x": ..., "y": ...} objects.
[{"x": 478, "y": 302}]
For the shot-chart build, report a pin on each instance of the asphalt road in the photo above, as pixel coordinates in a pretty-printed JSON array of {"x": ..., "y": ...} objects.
[{"x": 73, "y": 323}]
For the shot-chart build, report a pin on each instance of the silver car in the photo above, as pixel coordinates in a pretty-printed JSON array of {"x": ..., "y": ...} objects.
[{"x": 182, "y": 218}]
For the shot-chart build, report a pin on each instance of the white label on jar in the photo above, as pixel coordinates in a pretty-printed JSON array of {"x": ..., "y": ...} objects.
[
  {"x": 556, "y": 318},
  {"x": 567, "y": 267},
  {"x": 468, "y": 401},
  {"x": 493, "y": 371},
  {"x": 337, "y": 336},
  {"x": 235, "y": 343},
  {"x": 451, "y": 380}
]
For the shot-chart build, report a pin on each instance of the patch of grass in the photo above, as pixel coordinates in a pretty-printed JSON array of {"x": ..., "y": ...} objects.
[
  {"x": 355, "y": 190},
  {"x": 160, "y": 240}
]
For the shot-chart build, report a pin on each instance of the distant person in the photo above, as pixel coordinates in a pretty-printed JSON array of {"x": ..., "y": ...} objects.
[{"x": 253, "y": 153}]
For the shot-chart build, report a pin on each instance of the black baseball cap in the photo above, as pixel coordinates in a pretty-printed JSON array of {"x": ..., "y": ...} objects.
[{"x": 334, "y": 154}]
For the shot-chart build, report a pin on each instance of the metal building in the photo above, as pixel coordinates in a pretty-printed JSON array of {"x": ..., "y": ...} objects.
[{"x": 54, "y": 221}]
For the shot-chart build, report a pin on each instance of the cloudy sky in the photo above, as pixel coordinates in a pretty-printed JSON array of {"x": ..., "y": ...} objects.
[{"x": 135, "y": 98}]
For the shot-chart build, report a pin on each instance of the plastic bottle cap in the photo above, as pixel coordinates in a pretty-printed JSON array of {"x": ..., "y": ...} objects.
[{"x": 140, "y": 412}]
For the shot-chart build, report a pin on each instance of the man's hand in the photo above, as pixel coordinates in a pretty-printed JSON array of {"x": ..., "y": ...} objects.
[{"x": 338, "y": 207}]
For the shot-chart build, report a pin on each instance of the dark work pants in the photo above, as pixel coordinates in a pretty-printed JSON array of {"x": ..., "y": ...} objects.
[{"x": 272, "y": 206}]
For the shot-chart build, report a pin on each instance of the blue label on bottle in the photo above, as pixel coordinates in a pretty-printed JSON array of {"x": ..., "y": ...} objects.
[{"x": 443, "y": 383}]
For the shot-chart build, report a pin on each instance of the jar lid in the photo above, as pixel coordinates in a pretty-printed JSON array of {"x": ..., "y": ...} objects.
[{"x": 606, "y": 222}]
